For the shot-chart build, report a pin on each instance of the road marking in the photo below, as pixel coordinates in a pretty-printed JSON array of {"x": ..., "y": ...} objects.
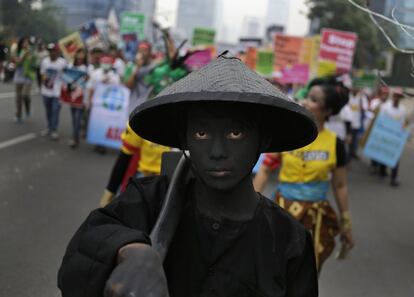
[
  {"x": 17, "y": 140},
  {"x": 7, "y": 95}
]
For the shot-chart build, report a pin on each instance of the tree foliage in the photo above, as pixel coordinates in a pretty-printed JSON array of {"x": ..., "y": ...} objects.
[
  {"x": 341, "y": 15},
  {"x": 19, "y": 18}
]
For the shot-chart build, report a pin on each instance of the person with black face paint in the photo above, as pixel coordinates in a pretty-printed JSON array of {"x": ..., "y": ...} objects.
[
  {"x": 306, "y": 172},
  {"x": 230, "y": 240}
]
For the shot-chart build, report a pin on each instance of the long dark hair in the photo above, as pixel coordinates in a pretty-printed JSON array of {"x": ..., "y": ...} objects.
[
  {"x": 85, "y": 59},
  {"x": 336, "y": 94},
  {"x": 20, "y": 44}
]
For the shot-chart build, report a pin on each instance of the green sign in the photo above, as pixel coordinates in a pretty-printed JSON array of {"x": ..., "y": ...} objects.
[
  {"x": 366, "y": 80},
  {"x": 202, "y": 36},
  {"x": 264, "y": 63},
  {"x": 133, "y": 22}
]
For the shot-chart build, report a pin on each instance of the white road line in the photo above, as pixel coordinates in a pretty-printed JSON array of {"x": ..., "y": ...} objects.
[
  {"x": 17, "y": 140},
  {"x": 7, "y": 95}
]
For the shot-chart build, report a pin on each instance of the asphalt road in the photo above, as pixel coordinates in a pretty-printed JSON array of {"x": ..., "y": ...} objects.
[{"x": 47, "y": 189}]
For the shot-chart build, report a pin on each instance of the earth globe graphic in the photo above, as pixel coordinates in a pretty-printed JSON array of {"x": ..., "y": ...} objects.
[{"x": 113, "y": 99}]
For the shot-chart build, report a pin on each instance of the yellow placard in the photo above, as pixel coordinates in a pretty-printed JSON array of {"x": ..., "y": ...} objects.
[
  {"x": 70, "y": 44},
  {"x": 326, "y": 68}
]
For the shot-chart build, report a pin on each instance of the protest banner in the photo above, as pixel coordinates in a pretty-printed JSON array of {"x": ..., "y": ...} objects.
[
  {"x": 363, "y": 79},
  {"x": 73, "y": 86},
  {"x": 296, "y": 74},
  {"x": 70, "y": 44},
  {"x": 199, "y": 58},
  {"x": 133, "y": 22},
  {"x": 90, "y": 35},
  {"x": 287, "y": 50},
  {"x": 293, "y": 57},
  {"x": 386, "y": 140},
  {"x": 264, "y": 63},
  {"x": 129, "y": 46},
  {"x": 336, "y": 52},
  {"x": 251, "y": 57},
  {"x": 203, "y": 36},
  {"x": 109, "y": 115}
]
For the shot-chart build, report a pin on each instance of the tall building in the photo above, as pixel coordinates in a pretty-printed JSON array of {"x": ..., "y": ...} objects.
[
  {"x": 277, "y": 13},
  {"x": 77, "y": 12},
  {"x": 195, "y": 13}
]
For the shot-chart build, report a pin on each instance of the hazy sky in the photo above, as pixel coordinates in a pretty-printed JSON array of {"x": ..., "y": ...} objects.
[{"x": 234, "y": 12}]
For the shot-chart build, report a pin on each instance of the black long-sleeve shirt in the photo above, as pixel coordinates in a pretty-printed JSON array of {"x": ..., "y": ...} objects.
[{"x": 269, "y": 255}]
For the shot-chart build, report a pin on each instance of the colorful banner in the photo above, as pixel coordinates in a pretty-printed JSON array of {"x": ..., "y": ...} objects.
[
  {"x": 70, "y": 44},
  {"x": 365, "y": 80},
  {"x": 90, "y": 35},
  {"x": 109, "y": 115},
  {"x": 337, "y": 48},
  {"x": 203, "y": 36},
  {"x": 264, "y": 63},
  {"x": 133, "y": 22},
  {"x": 297, "y": 74},
  {"x": 251, "y": 57},
  {"x": 287, "y": 51},
  {"x": 73, "y": 85},
  {"x": 129, "y": 46},
  {"x": 199, "y": 58},
  {"x": 386, "y": 141}
]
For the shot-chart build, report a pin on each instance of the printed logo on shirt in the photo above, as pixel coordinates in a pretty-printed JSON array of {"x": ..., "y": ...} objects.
[{"x": 312, "y": 155}]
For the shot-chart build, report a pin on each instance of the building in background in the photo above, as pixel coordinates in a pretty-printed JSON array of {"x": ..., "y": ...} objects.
[
  {"x": 77, "y": 12},
  {"x": 277, "y": 14},
  {"x": 195, "y": 13}
]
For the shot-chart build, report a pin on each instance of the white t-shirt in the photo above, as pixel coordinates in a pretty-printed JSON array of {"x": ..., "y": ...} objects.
[
  {"x": 100, "y": 76},
  {"x": 357, "y": 104},
  {"x": 375, "y": 103},
  {"x": 337, "y": 123},
  {"x": 397, "y": 113},
  {"x": 52, "y": 70},
  {"x": 119, "y": 66}
]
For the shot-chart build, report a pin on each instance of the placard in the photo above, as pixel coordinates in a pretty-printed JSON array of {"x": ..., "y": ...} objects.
[{"x": 109, "y": 115}]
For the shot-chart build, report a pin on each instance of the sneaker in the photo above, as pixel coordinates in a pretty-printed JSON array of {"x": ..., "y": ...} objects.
[
  {"x": 44, "y": 132},
  {"x": 28, "y": 115},
  {"x": 18, "y": 120},
  {"x": 54, "y": 135}
]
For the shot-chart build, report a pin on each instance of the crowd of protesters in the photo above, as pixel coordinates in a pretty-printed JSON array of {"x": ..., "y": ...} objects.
[
  {"x": 36, "y": 63},
  {"x": 344, "y": 114}
]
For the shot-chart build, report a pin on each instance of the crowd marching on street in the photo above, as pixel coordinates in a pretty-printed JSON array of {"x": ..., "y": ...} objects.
[{"x": 344, "y": 114}]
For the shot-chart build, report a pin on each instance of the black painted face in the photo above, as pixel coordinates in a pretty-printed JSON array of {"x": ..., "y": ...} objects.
[{"x": 223, "y": 144}]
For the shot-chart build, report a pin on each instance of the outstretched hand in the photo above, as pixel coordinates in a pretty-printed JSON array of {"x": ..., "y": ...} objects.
[{"x": 139, "y": 273}]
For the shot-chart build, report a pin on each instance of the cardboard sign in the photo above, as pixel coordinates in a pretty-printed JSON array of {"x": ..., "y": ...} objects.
[
  {"x": 203, "y": 36},
  {"x": 70, "y": 44},
  {"x": 338, "y": 48},
  {"x": 287, "y": 50},
  {"x": 108, "y": 115},
  {"x": 73, "y": 85},
  {"x": 199, "y": 58},
  {"x": 250, "y": 58},
  {"x": 386, "y": 141},
  {"x": 90, "y": 35},
  {"x": 133, "y": 22},
  {"x": 264, "y": 63},
  {"x": 130, "y": 46},
  {"x": 297, "y": 74}
]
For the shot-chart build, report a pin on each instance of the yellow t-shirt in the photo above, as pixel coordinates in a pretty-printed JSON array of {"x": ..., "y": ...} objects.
[{"x": 150, "y": 159}]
